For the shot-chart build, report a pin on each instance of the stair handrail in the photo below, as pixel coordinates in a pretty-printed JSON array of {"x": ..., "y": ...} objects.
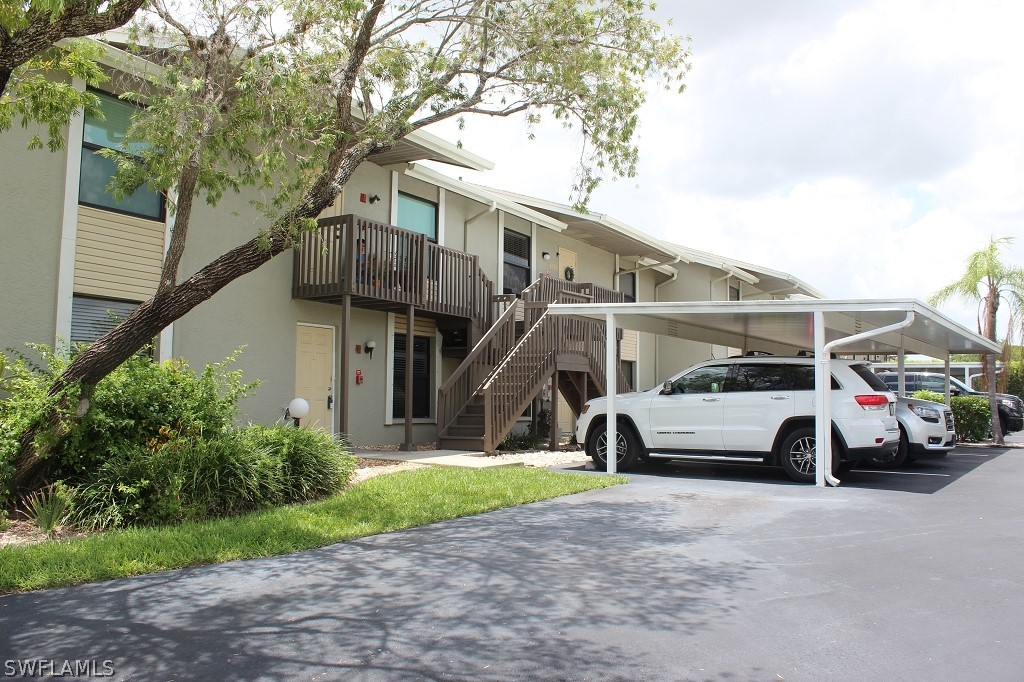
[
  {"x": 462, "y": 385},
  {"x": 502, "y": 408}
]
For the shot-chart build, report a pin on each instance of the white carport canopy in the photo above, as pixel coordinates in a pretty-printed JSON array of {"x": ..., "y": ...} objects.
[{"x": 784, "y": 328}]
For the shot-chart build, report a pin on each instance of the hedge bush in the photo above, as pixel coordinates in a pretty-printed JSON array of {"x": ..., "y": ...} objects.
[
  {"x": 129, "y": 407},
  {"x": 141, "y": 397},
  {"x": 972, "y": 414},
  {"x": 1015, "y": 378}
]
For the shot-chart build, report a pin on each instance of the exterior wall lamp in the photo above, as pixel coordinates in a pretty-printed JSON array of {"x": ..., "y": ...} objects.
[
  {"x": 297, "y": 409},
  {"x": 369, "y": 346}
]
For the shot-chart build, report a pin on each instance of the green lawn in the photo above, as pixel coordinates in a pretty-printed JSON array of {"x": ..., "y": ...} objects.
[{"x": 378, "y": 505}]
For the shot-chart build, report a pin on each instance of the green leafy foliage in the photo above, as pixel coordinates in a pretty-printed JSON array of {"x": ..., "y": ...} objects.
[
  {"x": 1015, "y": 378},
  {"x": 972, "y": 414},
  {"x": 990, "y": 282},
  {"x": 196, "y": 478},
  {"x": 313, "y": 462},
  {"x": 28, "y": 379},
  {"x": 40, "y": 95},
  {"x": 143, "y": 402},
  {"x": 139, "y": 403}
]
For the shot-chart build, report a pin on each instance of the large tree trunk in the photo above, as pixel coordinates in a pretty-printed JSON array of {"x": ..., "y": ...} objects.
[
  {"x": 993, "y": 402},
  {"x": 989, "y": 372}
]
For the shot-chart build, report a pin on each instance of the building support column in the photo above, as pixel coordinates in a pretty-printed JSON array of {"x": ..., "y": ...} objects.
[
  {"x": 69, "y": 231},
  {"x": 553, "y": 416},
  {"x": 343, "y": 383},
  {"x": 410, "y": 322}
]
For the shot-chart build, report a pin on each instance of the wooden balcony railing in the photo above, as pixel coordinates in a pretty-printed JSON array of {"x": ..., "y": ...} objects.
[{"x": 389, "y": 266}]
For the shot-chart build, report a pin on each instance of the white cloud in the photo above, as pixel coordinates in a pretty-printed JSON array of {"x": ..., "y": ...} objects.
[{"x": 866, "y": 147}]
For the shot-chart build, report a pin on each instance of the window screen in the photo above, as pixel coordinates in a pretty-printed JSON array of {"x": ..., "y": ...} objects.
[
  {"x": 627, "y": 285},
  {"x": 420, "y": 377},
  {"x": 517, "y": 262},
  {"x": 91, "y": 318}
]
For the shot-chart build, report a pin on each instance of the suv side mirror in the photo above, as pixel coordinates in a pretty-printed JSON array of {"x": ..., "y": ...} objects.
[{"x": 666, "y": 388}]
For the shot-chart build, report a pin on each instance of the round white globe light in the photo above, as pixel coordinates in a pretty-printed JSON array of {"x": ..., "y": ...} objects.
[{"x": 298, "y": 408}]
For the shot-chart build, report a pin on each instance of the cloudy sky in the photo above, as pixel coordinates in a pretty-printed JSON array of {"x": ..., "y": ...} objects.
[{"x": 864, "y": 146}]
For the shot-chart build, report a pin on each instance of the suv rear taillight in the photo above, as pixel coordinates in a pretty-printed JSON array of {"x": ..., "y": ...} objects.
[{"x": 873, "y": 401}]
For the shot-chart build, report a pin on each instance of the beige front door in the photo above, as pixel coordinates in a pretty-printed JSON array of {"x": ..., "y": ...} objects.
[
  {"x": 314, "y": 373},
  {"x": 566, "y": 259}
]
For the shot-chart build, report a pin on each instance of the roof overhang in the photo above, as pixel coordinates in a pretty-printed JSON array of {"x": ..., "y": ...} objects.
[
  {"x": 770, "y": 282},
  {"x": 485, "y": 196},
  {"x": 420, "y": 145},
  {"x": 786, "y": 326},
  {"x": 601, "y": 231}
]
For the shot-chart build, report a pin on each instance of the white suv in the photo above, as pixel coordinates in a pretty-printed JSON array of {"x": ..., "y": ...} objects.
[{"x": 748, "y": 408}]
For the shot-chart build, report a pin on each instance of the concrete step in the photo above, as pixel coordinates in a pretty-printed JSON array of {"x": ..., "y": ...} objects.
[{"x": 461, "y": 443}]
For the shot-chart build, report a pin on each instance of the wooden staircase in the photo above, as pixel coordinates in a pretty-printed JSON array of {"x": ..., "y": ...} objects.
[{"x": 506, "y": 370}]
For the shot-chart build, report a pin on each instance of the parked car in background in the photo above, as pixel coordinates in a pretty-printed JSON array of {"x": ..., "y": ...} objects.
[
  {"x": 927, "y": 430},
  {"x": 747, "y": 409},
  {"x": 1011, "y": 409}
]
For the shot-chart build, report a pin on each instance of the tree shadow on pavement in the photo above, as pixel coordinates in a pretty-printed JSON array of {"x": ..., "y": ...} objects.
[{"x": 548, "y": 591}]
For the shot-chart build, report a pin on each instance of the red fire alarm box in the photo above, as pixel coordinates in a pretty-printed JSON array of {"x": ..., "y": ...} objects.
[{"x": 359, "y": 376}]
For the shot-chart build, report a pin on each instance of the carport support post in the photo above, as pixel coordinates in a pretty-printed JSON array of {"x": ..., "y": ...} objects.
[
  {"x": 948, "y": 398},
  {"x": 901, "y": 371},
  {"x": 823, "y": 402},
  {"x": 611, "y": 453}
]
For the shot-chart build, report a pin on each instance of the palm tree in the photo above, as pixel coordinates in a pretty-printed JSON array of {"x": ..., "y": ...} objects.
[{"x": 989, "y": 281}]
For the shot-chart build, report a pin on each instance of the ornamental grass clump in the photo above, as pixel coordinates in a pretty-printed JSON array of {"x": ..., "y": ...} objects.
[
  {"x": 49, "y": 508},
  {"x": 194, "y": 479}
]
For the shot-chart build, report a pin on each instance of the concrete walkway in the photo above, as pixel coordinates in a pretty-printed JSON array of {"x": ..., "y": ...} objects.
[
  {"x": 476, "y": 460},
  {"x": 454, "y": 458}
]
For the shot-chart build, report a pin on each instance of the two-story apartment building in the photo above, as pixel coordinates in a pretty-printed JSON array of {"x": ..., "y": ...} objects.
[{"x": 413, "y": 314}]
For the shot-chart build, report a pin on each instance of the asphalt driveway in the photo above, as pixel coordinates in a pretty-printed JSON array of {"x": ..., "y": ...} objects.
[{"x": 691, "y": 572}]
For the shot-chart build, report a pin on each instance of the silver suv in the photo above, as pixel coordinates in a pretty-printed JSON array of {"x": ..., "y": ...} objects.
[
  {"x": 927, "y": 430},
  {"x": 751, "y": 408}
]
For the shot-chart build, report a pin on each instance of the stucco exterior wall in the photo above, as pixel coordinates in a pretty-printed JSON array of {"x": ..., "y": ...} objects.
[
  {"x": 30, "y": 223},
  {"x": 483, "y": 239},
  {"x": 592, "y": 264},
  {"x": 673, "y": 355},
  {"x": 369, "y": 179},
  {"x": 257, "y": 311}
]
